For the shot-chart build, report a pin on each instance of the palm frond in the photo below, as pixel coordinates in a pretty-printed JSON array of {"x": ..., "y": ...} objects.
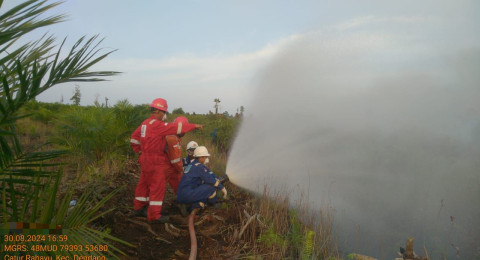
[{"x": 29, "y": 181}]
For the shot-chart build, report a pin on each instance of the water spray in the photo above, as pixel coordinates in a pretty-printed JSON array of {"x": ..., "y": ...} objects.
[{"x": 384, "y": 125}]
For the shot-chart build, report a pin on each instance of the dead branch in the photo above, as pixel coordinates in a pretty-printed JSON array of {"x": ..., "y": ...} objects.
[
  {"x": 245, "y": 226},
  {"x": 175, "y": 228},
  {"x": 145, "y": 225},
  {"x": 259, "y": 221},
  {"x": 169, "y": 230},
  {"x": 218, "y": 218},
  {"x": 163, "y": 240},
  {"x": 149, "y": 229},
  {"x": 203, "y": 219},
  {"x": 246, "y": 214}
]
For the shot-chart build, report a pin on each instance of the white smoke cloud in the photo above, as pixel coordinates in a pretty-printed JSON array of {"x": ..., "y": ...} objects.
[{"x": 384, "y": 123}]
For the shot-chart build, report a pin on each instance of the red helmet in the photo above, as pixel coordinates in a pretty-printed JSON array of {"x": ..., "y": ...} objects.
[
  {"x": 181, "y": 119},
  {"x": 160, "y": 104}
]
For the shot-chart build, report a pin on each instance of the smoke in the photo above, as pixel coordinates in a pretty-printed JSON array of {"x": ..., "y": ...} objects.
[{"x": 382, "y": 125}]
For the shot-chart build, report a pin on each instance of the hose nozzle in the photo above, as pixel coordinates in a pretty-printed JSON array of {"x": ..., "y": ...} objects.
[{"x": 223, "y": 178}]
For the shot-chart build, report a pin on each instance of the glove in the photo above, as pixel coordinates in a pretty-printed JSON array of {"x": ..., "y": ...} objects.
[{"x": 224, "y": 191}]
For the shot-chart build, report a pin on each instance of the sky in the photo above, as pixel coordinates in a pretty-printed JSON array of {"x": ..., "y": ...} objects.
[{"x": 195, "y": 51}]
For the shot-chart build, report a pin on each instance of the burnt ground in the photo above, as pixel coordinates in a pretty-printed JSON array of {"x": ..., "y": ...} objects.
[{"x": 215, "y": 227}]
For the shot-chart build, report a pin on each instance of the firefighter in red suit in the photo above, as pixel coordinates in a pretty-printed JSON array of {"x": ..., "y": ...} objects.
[
  {"x": 173, "y": 149},
  {"x": 149, "y": 140}
]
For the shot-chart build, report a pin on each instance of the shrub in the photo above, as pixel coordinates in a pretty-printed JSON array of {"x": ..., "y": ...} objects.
[{"x": 95, "y": 132}]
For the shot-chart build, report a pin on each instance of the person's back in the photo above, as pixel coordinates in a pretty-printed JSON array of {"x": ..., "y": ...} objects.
[
  {"x": 195, "y": 175},
  {"x": 199, "y": 185},
  {"x": 150, "y": 135}
]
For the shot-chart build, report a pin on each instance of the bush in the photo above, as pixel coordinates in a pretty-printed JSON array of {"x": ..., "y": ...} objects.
[
  {"x": 178, "y": 111},
  {"x": 218, "y": 129},
  {"x": 95, "y": 132}
]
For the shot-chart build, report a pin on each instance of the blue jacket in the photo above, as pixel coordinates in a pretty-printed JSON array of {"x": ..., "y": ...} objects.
[
  {"x": 196, "y": 174},
  {"x": 186, "y": 162}
]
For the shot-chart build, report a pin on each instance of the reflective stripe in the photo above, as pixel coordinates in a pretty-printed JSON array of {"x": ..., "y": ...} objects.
[
  {"x": 175, "y": 161},
  {"x": 152, "y": 121},
  {"x": 201, "y": 204},
  {"x": 142, "y": 198},
  {"x": 156, "y": 203},
  {"x": 216, "y": 183},
  {"x": 179, "y": 129},
  {"x": 133, "y": 141},
  {"x": 213, "y": 195}
]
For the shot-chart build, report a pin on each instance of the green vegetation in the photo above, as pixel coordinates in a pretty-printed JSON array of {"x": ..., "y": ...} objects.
[
  {"x": 94, "y": 133},
  {"x": 29, "y": 180}
]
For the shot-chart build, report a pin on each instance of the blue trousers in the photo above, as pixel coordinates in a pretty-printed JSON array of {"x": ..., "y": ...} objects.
[{"x": 198, "y": 196}]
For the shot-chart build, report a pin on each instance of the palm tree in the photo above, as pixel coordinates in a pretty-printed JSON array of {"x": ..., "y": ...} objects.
[
  {"x": 29, "y": 180},
  {"x": 217, "y": 100}
]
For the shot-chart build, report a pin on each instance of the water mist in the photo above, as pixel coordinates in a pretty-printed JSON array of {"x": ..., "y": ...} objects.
[{"x": 383, "y": 126}]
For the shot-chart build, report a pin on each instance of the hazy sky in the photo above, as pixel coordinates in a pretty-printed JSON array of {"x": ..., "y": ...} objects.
[{"x": 194, "y": 51}]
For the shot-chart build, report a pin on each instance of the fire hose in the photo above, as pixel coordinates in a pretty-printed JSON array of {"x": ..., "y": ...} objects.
[{"x": 191, "y": 226}]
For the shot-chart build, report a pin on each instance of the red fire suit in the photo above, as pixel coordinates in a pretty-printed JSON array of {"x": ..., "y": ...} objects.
[
  {"x": 149, "y": 140},
  {"x": 174, "y": 170}
]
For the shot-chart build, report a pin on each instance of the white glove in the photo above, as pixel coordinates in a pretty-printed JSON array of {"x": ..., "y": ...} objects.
[{"x": 224, "y": 191}]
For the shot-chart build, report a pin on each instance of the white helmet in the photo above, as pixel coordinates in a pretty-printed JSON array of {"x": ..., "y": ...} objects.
[
  {"x": 192, "y": 145},
  {"x": 201, "y": 151}
]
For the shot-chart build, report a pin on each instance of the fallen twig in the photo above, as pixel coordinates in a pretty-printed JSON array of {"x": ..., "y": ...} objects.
[
  {"x": 163, "y": 239},
  {"x": 147, "y": 226},
  {"x": 246, "y": 214},
  {"x": 203, "y": 219},
  {"x": 179, "y": 253},
  {"x": 175, "y": 228},
  {"x": 169, "y": 230},
  {"x": 245, "y": 226},
  {"x": 259, "y": 221},
  {"x": 219, "y": 218},
  {"x": 149, "y": 229},
  {"x": 235, "y": 235}
]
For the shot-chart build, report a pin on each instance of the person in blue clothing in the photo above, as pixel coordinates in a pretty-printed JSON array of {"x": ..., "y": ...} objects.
[
  {"x": 191, "y": 146},
  {"x": 199, "y": 185}
]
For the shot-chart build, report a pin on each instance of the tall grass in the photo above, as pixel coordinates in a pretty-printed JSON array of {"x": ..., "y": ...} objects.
[{"x": 285, "y": 230}]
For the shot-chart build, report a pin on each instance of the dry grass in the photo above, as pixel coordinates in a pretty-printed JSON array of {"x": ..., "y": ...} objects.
[
  {"x": 32, "y": 133},
  {"x": 272, "y": 227}
]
